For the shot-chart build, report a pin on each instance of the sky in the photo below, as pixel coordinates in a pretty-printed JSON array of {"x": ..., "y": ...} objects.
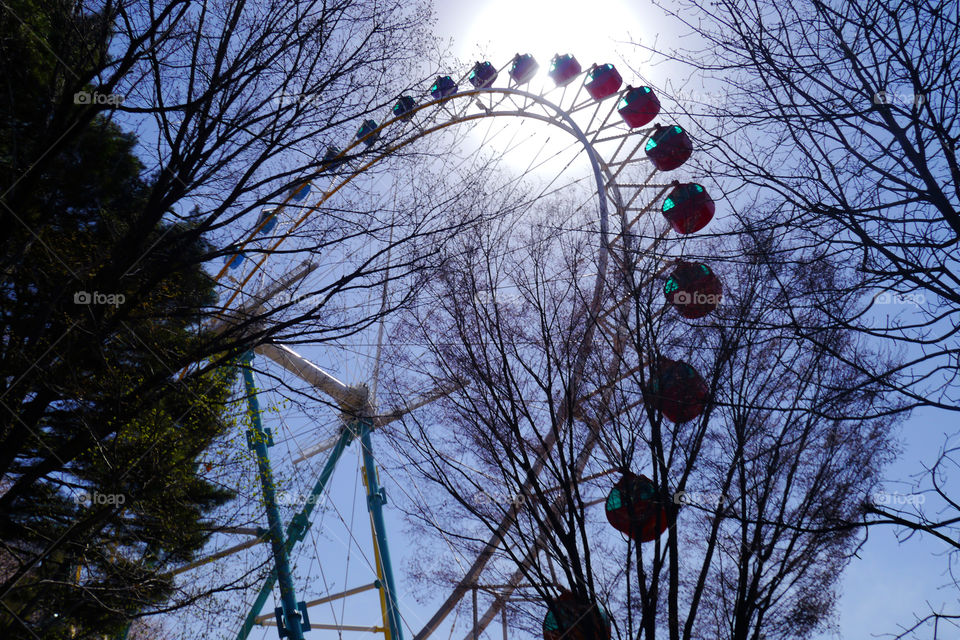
[
  {"x": 501, "y": 28},
  {"x": 890, "y": 581}
]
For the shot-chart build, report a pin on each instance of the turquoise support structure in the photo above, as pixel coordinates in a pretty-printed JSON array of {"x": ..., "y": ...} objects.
[
  {"x": 289, "y": 622},
  {"x": 297, "y": 529},
  {"x": 376, "y": 497}
]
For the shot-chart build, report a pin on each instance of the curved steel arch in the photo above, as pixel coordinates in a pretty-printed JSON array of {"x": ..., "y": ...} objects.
[
  {"x": 565, "y": 122},
  {"x": 568, "y": 125}
]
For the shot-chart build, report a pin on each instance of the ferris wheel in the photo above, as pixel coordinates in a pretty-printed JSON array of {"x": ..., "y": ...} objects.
[{"x": 607, "y": 123}]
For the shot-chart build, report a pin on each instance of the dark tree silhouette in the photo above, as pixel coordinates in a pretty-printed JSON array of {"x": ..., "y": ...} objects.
[
  {"x": 842, "y": 119},
  {"x": 771, "y": 473},
  {"x": 845, "y": 117},
  {"x": 115, "y": 375}
]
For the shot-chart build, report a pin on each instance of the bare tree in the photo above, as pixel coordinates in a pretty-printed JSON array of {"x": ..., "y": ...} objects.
[
  {"x": 771, "y": 473},
  {"x": 843, "y": 117}
]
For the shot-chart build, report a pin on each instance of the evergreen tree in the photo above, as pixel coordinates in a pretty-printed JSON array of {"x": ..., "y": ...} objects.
[{"x": 101, "y": 493}]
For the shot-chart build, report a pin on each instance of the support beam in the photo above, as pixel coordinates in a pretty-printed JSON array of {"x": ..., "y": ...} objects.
[
  {"x": 296, "y": 530},
  {"x": 245, "y": 531},
  {"x": 593, "y": 439},
  {"x": 336, "y": 627},
  {"x": 385, "y": 419},
  {"x": 346, "y": 397},
  {"x": 491, "y": 612},
  {"x": 473, "y": 573},
  {"x": 353, "y": 401},
  {"x": 508, "y": 589},
  {"x": 255, "y": 304},
  {"x": 396, "y": 414},
  {"x": 221, "y": 554},
  {"x": 376, "y": 497},
  {"x": 257, "y": 439},
  {"x": 262, "y": 620},
  {"x": 316, "y": 449},
  {"x": 475, "y": 636},
  {"x": 584, "y": 479}
]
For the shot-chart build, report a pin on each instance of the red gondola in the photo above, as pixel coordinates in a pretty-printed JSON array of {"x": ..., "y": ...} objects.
[
  {"x": 669, "y": 147},
  {"x": 688, "y": 208},
  {"x": 563, "y": 69},
  {"x": 573, "y": 619},
  {"x": 603, "y": 81},
  {"x": 677, "y": 390},
  {"x": 638, "y": 106},
  {"x": 483, "y": 75},
  {"x": 523, "y": 68},
  {"x": 693, "y": 289},
  {"x": 633, "y": 508},
  {"x": 444, "y": 87}
]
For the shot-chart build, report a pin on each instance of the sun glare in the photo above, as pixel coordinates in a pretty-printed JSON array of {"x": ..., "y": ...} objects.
[{"x": 589, "y": 30}]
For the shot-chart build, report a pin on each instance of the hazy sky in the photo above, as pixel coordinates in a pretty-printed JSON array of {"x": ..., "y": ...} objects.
[{"x": 502, "y": 28}]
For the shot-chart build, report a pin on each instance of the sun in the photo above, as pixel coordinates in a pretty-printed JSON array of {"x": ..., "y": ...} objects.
[
  {"x": 594, "y": 31},
  {"x": 590, "y": 30}
]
